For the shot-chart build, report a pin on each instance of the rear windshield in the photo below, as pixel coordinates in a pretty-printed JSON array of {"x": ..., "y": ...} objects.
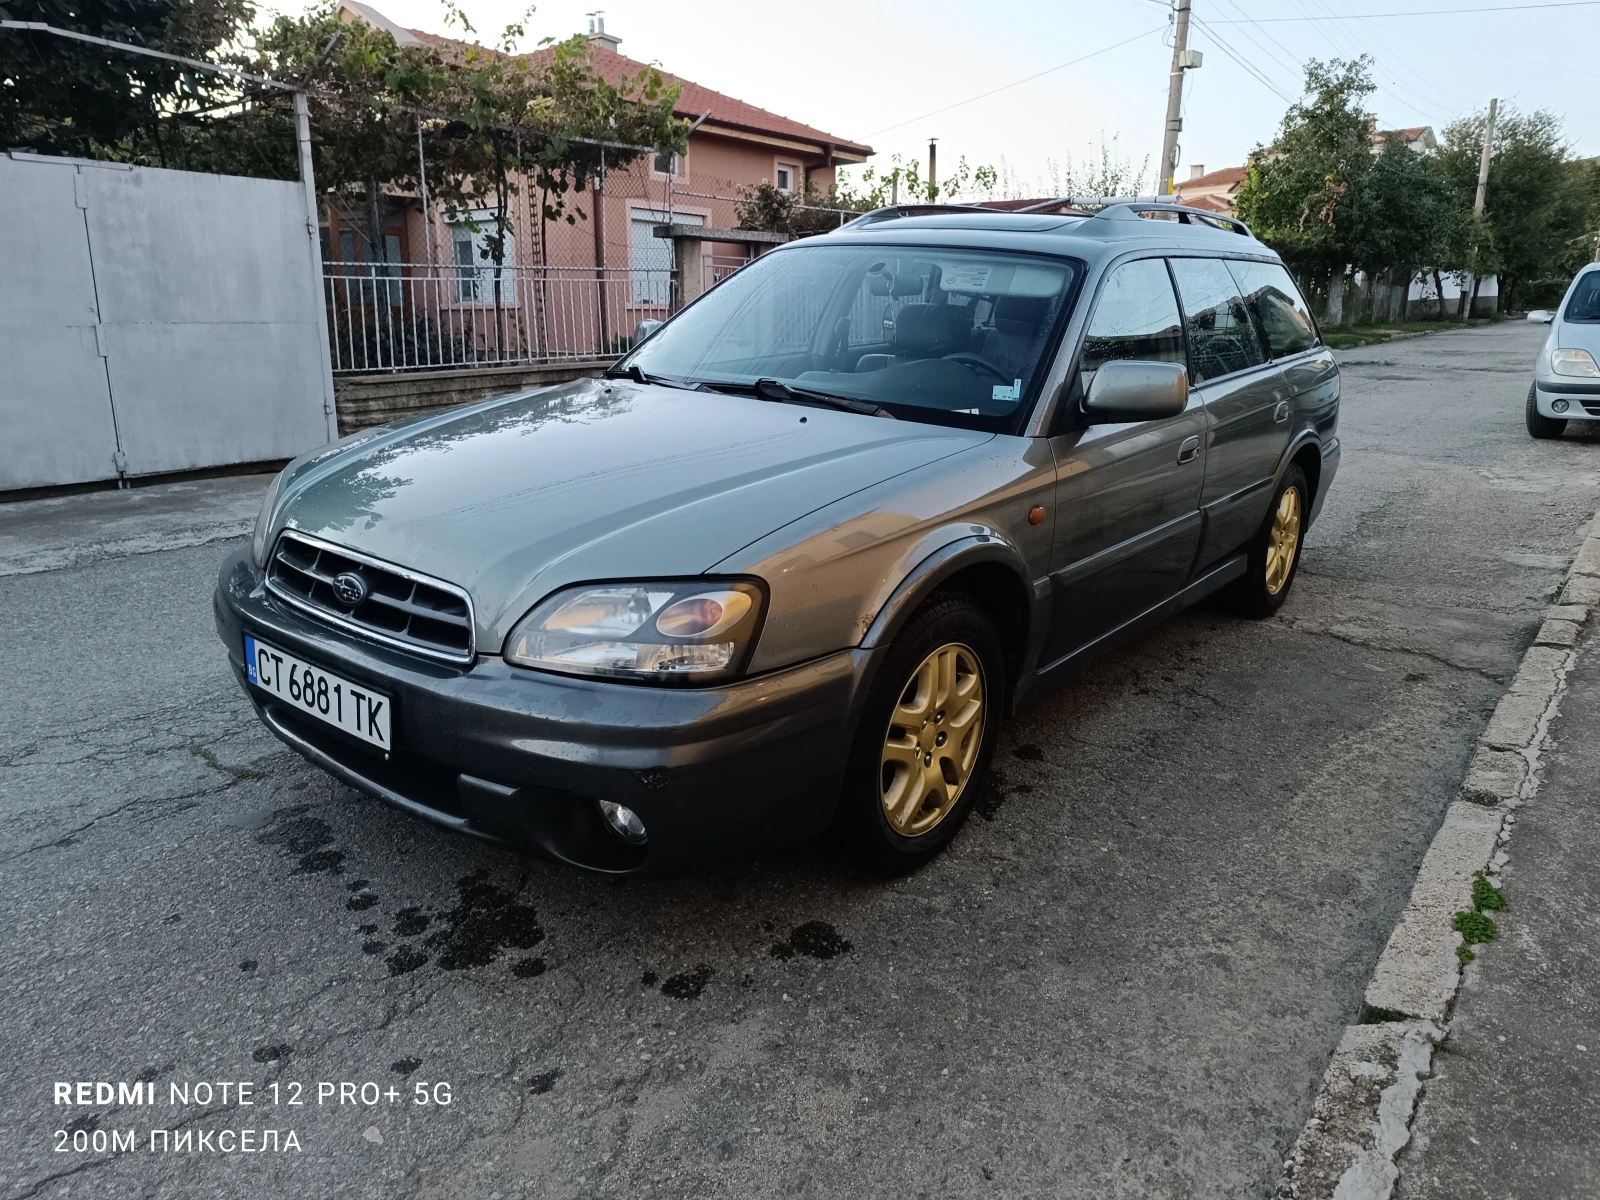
[
  {"x": 1584, "y": 303},
  {"x": 953, "y": 337}
]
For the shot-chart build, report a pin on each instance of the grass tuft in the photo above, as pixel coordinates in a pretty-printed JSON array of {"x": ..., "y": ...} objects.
[
  {"x": 1485, "y": 896},
  {"x": 1474, "y": 927}
]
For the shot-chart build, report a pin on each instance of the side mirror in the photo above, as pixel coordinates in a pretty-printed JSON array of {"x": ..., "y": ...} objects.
[
  {"x": 1541, "y": 316},
  {"x": 1136, "y": 391},
  {"x": 645, "y": 328}
]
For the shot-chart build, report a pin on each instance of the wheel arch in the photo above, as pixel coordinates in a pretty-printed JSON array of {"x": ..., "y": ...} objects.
[{"x": 994, "y": 575}]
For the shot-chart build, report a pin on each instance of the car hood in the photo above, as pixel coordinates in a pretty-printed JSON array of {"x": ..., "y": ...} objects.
[
  {"x": 516, "y": 497},
  {"x": 1578, "y": 335}
]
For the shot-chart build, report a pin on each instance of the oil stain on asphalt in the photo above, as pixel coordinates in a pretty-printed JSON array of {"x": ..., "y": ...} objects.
[{"x": 814, "y": 939}]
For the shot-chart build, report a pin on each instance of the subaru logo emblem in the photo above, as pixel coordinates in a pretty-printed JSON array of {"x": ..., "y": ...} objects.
[{"x": 349, "y": 589}]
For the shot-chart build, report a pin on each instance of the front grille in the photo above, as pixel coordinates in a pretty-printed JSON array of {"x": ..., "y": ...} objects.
[
  {"x": 1592, "y": 407},
  {"x": 401, "y": 608}
]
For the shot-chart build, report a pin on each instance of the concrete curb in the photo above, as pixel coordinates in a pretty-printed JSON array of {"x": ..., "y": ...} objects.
[{"x": 1361, "y": 1117}]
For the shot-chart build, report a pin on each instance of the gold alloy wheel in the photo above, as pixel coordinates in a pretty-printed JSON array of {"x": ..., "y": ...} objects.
[
  {"x": 1283, "y": 541},
  {"x": 932, "y": 743}
]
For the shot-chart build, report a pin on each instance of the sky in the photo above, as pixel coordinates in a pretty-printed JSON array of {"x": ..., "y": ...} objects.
[{"x": 877, "y": 71}]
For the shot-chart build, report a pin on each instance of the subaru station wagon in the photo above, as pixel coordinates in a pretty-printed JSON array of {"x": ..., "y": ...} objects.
[{"x": 790, "y": 564}]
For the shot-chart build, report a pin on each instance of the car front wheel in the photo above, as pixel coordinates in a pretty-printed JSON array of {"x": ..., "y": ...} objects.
[
  {"x": 926, "y": 734},
  {"x": 1539, "y": 425}
]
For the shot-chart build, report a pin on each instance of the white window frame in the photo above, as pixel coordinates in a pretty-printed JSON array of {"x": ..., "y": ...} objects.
[
  {"x": 794, "y": 176},
  {"x": 476, "y": 285},
  {"x": 678, "y": 170},
  {"x": 646, "y": 290}
]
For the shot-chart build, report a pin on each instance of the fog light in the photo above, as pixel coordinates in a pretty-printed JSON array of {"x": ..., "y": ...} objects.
[
  {"x": 624, "y": 822},
  {"x": 1558, "y": 405}
]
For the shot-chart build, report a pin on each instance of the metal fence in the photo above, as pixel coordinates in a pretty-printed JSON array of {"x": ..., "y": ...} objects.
[{"x": 417, "y": 316}]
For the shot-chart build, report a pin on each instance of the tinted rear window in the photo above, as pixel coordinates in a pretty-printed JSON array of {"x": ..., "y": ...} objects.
[{"x": 1277, "y": 306}]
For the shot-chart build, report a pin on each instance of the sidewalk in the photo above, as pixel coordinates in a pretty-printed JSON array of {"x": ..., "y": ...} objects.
[
  {"x": 1512, "y": 1108},
  {"x": 47, "y": 535}
]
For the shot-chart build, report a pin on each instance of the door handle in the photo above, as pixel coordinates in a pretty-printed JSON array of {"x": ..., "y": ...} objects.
[
  {"x": 1281, "y": 413},
  {"x": 1189, "y": 450}
]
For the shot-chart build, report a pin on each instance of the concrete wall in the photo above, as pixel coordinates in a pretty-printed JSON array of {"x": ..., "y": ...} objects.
[{"x": 365, "y": 400}]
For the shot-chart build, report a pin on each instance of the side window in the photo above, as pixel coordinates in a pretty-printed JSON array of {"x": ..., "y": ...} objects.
[
  {"x": 1136, "y": 318},
  {"x": 1277, "y": 305},
  {"x": 1222, "y": 338}
]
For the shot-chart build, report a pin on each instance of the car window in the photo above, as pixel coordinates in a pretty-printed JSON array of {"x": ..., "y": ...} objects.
[
  {"x": 1135, "y": 318},
  {"x": 945, "y": 335},
  {"x": 1585, "y": 302},
  {"x": 1276, "y": 303},
  {"x": 1222, "y": 338}
]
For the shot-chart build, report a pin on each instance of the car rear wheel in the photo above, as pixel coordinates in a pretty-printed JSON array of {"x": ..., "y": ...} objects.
[
  {"x": 1539, "y": 425},
  {"x": 1275, "y": 552},
  {"x": 926, "y": 735}
]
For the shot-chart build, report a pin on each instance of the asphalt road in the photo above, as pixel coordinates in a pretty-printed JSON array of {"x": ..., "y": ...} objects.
[{"x": 1125, "y": 978}]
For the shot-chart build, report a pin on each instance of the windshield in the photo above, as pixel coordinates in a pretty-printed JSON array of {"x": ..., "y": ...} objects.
[
  {"x": 1585, "y": 302},
  {"x": 955, "y": 337}
]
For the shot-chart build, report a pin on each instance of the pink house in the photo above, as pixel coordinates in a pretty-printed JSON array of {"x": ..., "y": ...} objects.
[{"x": 592, "y": 282}]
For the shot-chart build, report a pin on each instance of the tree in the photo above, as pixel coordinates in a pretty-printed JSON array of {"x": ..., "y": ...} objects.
[
  {"x": 550, "y": 119},
  {"x": 1302, "y": 194},
  {"x": 1401, "y": 214},
  {"x": 59, "y": 96},
  {"x": 1540, "y": 207}
]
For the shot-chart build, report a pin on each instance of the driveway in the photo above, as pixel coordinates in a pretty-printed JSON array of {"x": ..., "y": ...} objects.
[{"x": 1125, "y": 979}]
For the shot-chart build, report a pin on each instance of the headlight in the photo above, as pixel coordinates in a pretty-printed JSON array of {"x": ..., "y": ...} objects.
[
  {"x": 674, "y": 631},
  {"x": 1573, "y": 362},
  {"x": 258, "y": 540}
]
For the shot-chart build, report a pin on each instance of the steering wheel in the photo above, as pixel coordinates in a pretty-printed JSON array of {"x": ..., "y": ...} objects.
[{"x": 977, "y": 363}]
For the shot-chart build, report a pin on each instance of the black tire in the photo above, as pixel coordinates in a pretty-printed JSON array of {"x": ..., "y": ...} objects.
[
  {"x": 1265, "y": 586},
  {"x": 1539, "y": 425},
  {"x": 947, "y": 621}
]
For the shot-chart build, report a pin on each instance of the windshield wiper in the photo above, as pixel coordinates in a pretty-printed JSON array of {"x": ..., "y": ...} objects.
[
  {"x": 776, "y": 389},
  {"x": 633, "y": 372}
]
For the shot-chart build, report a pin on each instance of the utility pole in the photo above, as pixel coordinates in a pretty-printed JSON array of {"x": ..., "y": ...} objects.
[
  {"x": 933, "y": 170},
  {"x": 1483, "y": 160},
  {"x": 1477, "y": 205},
  {"x": 1183, "y": 59},
  {"x": 308, "y": 186}
]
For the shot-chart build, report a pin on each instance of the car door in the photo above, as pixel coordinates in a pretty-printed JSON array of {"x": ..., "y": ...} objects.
[
  {"x": 1284, "y": 320},
  {"x": 1127, "y": 495},
  {"x": 1247, "y": 402}
]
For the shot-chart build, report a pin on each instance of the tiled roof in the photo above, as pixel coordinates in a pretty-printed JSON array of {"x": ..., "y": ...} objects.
[
  {"x": 1212, "y": 203},
  {"x": 692, "y": 101},
  {"x": 1410, "y": 135},
  {"x": 1227, "y": 175}
]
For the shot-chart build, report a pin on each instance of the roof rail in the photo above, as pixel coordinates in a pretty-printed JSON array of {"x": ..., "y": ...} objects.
[
  {"x": 1098, "y": 202},
  {"x": 895, "y": 211},
  {"x": 1134, "y": 210}
]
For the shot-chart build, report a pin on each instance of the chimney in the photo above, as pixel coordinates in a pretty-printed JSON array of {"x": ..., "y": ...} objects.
[
  {"x": 1196, "y": 170},
  {"x": 598, "y": 38}
]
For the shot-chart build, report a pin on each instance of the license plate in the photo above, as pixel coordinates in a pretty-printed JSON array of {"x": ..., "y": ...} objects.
[{"x": 332, "y": 699}]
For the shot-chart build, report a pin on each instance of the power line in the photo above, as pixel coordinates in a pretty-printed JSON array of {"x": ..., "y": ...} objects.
[
  {"x": 1242, "y": 61},
  {"x": 1018, "y": 83},
  {"x": 1422, "y": 12}
]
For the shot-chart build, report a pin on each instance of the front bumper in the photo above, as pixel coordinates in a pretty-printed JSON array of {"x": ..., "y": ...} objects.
[
  {"x": 1582, "y": 399},
  {"x": 522, "y": 757}
]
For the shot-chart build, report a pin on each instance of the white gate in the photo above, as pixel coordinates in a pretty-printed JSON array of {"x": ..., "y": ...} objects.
[{"x": 154, "y": 321}]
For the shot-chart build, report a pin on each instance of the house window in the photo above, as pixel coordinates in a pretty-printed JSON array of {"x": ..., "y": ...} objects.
[
  {"x": 786, "y": 179},
  {"x": 471, "y": 247},
  {"x": 666, "y": 163},
  {"x": 650, "y": 257}
]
